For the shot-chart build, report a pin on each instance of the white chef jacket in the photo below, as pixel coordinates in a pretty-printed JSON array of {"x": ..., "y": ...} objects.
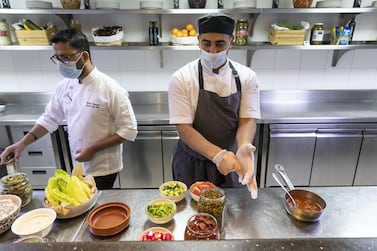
[
  {"x": 94, "y": 109},
  {"x": 184, "y": 90}
]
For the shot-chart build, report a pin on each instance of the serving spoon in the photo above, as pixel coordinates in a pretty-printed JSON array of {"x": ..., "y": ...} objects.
[{"x": 286, "y": 191}]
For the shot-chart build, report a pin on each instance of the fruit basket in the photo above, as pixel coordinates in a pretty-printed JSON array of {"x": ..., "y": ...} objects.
[
  {"x": 35, "y": 37},
  {"x": 184, "y": 36}
]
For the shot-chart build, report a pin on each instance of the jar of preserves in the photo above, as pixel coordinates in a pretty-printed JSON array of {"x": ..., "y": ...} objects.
[
  {"x": 17, "y": 184},
  {"x": 242, "y": 28},
  {"x": 317, "y": 34},
  {"x": 4, "y": 33},
  {"x": 212, "y": 201},
  {"x": 202, "y": 226}
]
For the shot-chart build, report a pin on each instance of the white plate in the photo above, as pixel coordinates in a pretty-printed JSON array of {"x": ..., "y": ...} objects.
[
  {"x": 38, "y": 5},
  {"x": 244, "y": 4},
  {"x": 107, "y": 5},
  {"x": 329, "y": 4},
  {"x": 150, "y": 5}
]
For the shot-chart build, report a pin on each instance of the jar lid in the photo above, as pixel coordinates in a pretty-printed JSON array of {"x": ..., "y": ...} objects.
[
  {"x": 318, "y": 24},
  {"x": 13, "y": 178}
]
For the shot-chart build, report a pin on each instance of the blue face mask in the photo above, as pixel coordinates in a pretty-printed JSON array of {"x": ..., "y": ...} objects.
[
  {"x": 69, "y": 70},
  {"x": 213, "y": 60}
]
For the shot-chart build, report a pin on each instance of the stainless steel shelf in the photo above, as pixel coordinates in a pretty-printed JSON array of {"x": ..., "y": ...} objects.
[{"x": 191, "y": 11}]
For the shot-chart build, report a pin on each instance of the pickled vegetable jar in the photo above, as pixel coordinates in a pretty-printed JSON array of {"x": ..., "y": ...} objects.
[
  {"x": 212, "y": 201},
  {"x": 17, "y": 184},
  {"x": 242, "y": 34},
  {"x": 202, "y": 226}
]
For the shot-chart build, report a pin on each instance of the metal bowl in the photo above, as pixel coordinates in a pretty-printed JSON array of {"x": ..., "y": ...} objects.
[{"x": 310, "y": 206}]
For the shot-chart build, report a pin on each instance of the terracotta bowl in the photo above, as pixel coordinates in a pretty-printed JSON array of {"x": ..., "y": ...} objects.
[{"x": 109, "y": 218}]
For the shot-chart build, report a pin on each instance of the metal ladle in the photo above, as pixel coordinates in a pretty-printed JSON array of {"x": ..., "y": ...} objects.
[{"x": 286, "y": 191}]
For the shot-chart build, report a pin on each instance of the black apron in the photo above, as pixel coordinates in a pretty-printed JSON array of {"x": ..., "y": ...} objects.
[{"x": 216, "y": 118}]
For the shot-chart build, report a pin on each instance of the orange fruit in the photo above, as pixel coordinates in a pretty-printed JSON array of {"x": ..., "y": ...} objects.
[
  {"x": 179, "y": 34},
  {"x": 192, "y": 32},
  {"x": 184, "y": 31},
  {"x": 174, "y": 31},
  {"x": 189, "y": 27}
]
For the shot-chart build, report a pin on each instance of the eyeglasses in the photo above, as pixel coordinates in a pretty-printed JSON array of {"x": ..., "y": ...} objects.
[{"x": 65, "y": 59}]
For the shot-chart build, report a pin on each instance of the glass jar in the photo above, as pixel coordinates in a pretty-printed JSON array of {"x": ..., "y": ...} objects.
[
  {"x": 202, "y": 226},
  {"x": 4, "y": 33},
  {"x": 212, "y": 201},
  {"x": 242, "y": 28},
  {"x": 317, "y": 34},
  {"x": 17, "y": 184}
]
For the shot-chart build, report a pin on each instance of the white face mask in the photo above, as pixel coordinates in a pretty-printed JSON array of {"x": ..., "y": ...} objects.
[
  {"x": 69, "y": 70},
  {"x": 213, "y": 60}
]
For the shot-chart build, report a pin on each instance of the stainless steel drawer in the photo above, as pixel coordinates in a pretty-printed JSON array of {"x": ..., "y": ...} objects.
[
  {"x": 41, "y": 157},
  {"x": 17, "y": 132},
  {"x": 38, "y": 176}
]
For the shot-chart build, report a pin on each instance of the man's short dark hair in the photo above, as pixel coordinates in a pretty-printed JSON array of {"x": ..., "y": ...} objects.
[{"x": 76, "y": 39}]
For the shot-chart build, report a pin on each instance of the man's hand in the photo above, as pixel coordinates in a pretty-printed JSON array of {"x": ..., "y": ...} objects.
[
  {"x": 14, "y": 151},
  {"x": 85, "y": 154},
  {"x": 226, "y": 162},
  {"x": 245, "y": 155}
]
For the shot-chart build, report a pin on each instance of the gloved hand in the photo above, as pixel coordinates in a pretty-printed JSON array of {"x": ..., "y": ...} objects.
[
  {"x": 245, "y": 156},
  {"x": 226, "y": 162}
]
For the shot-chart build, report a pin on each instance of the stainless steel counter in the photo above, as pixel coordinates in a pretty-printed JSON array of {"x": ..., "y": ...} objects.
[
  {"x": 151, "y": 108},
  {"x": 350, "y": 213}
]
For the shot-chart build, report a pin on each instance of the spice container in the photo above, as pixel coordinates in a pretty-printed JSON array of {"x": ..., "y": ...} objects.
[
  {"x": 317, "y": 34},
  {"x": 17, "y": 184},
  {"x": 212, "y": 201},
  {"x": 4, "y": 33},
  {"x": 202, "y": 226},
  {"x": 241, "y": 32}
]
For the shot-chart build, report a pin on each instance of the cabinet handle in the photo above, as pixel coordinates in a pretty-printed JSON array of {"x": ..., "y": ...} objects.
[
  {"x": 292, "y": 133},
  {"x": 326, "y": 133},
  {"x": 35, "y": 153},
  {"x": 39, "y": 172}
]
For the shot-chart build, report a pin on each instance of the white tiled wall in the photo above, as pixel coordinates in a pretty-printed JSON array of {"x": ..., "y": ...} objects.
[{"x": 141, "y": 71}]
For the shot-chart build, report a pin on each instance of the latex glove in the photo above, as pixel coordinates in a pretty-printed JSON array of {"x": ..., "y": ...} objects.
[
  {"x": 226, "y": 162},
  {"x": 245, "y": 156}
]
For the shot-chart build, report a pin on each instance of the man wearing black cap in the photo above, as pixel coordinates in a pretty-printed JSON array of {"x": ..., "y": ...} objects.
[{"x": 214, "y": 103}]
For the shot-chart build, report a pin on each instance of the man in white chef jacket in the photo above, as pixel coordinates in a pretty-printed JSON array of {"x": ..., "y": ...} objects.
[
  {"x": 96, "y": 109},
  {"x": 214, "y": 103}
]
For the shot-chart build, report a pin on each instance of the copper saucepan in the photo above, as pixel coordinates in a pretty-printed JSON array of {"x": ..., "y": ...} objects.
[{"x": 309, "y": 206}]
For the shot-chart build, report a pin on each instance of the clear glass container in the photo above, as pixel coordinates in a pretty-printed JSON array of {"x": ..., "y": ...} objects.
[
  {"x": 17, "y": 184},
  {"x": 202, "y": 226},
  {"x": 242, "y": 33},
  {"x": 212, "y": 201}
]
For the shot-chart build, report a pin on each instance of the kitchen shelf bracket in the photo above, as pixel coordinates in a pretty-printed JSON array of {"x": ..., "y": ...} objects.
[
  {"x": 252, "y": 20},
  {"x": 67, "y": 18},
  {"x": 337, "y": 56},
  {"x": 249, "y": 56}
]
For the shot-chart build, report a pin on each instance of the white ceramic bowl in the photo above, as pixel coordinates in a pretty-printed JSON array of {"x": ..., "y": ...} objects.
[
  {"x": 11, "y": 213},
  {"x": 156, "y": 234},
  {"x": 38, "y": 4},
  {"x": 35, "y": 222},
  {"x": 161, "y": 220},
  {"x": 173, "y": 190},
  {"x": 78, "y": 210},
  {"x": 198, "y": 187}
]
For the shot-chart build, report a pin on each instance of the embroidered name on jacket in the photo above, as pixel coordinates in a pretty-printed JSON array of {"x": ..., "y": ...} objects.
[{"x": 92, "y": 105}]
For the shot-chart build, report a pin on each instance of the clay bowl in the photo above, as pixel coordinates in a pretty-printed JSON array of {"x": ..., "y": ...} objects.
[{"x": 109, "y": 218}]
